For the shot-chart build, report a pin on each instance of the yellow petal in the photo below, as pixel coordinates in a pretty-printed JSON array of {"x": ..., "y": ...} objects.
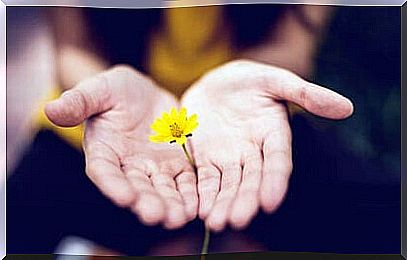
[
  {"x": 160, "y": 138},
  {"x": 156, "y": 139},
  {"x": 193, "y": 118},
  {"x": 173, "y": 114},
  {"x": 162, "y": 130},
  {"x": 182, "y": 140},
  {"x": 191, "y": 124},
  {"x": 158, "y": 123},
  {"x": 183, "y": 113},
  {"x": 166, "y": 118},
  {"x": 182, "y": 117},
  {"x": 190, "y": 127}
]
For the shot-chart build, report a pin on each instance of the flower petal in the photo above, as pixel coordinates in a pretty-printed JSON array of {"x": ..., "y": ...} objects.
[
  {"x": 160, "y": 138},
  {"x": 161, "y": 130},
  {"x": 190, "y": 128},
  {"x": 182, "y": 140},
  {"x": 194, "y": 117},
  {"x": 174, "y": 114},
  {"x": 156, "y": 139},
  {"x": 166, "y": 118},
  {"x": 182, "y": 118},
  {"x": 191, "y": 124}
]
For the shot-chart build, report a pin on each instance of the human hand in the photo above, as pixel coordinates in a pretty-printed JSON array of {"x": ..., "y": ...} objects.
[
  {"x": 242, "y": 147},
  {"x": 154, "y": 180}
]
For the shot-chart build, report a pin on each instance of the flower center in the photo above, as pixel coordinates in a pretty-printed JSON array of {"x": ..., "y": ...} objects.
[{"x": 176, "y": 130}]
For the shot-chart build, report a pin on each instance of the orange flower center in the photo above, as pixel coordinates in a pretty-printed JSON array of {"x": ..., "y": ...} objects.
[{"x": 176, "y": 130}]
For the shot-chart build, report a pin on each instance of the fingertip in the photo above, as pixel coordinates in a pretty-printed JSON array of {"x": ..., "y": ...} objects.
[
  {"x": 218, "y": 217},
  {"x": 150, "y": 210},
  {"x": 268, "y": 206},
  {"x": 191, "y": 211},
  {"x": 123, "y": 198},
  {"x": 174, "y": 224},
  {"x": 239, "y": 223},
  {"x": 271, "y": 199},
  {"x": 204, "y": 210},
  {"x": 325, "y": 102},
  {"x": 243, "y": 211},
  {"x": 51, "y": 111},
  {"x": 342, "y": 109},
  {"x": 62, "y": 113},
  {"x": 176, "y": 218},
  {"x": 350, "y": 108},
  {"x": 215, "y": 224},
  {"x": 202, "y": 215},
  {"x": 205, "y": 206}
]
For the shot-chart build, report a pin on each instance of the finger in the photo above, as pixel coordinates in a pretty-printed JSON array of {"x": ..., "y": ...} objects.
[
  {"x": 94, "y": 95},
  {"x": 277, "y": 166},
  {"x": 230, "y": 181},
  {"x": 149, "y": 205},
  {"x": 186, "y": 185},
  {"x": 208, "y": 188},
  {"x": 103, "y": 168},
  {"x": 246, "y": 203},
  {"x": 315, "y": 99},
  {"x": 88, "y": 98},
  {"x": 165, "y": 185}
]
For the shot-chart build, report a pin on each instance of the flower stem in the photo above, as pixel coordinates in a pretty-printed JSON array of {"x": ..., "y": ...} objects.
[
  {"x": 205, "y": 244},
  {"x": 191, "y": 161}
]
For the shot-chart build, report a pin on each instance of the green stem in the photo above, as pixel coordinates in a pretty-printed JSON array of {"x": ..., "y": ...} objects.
[
  {"x": 205, "y": 244},
  {"x": 191, "y": 161}
]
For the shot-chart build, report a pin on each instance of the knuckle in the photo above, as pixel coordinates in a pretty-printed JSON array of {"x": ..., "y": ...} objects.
[{"x": 303, "y": 94}]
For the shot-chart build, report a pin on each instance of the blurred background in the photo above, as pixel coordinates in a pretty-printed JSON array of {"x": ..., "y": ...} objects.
[{"x": 344, "y": 195}]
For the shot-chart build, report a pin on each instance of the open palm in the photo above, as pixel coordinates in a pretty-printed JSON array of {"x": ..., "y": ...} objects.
[
  {"x": 154, "y": 180},
  {"x": 243, "y": 145}
]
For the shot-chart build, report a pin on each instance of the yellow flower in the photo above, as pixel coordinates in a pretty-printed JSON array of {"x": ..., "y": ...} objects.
[{"x": 174, "y": 127}]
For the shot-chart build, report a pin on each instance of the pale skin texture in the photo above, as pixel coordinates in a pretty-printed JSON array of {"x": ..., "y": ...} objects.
[
  {"x": 242, "y": 145},
  {"x": 154, "y": 180}
]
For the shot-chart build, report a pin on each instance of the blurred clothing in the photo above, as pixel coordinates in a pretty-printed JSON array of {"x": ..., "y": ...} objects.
[{"x": 190, "y": 42}]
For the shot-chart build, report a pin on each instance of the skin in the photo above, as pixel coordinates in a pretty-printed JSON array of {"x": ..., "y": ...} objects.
[
  {"x": 154, "y": 180},
  {"x": 243, "y": 144}
]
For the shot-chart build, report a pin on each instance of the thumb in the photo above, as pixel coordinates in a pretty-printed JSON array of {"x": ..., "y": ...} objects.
[
  {"x": 88, "y": 98},
  {"x": 315, "y": 99}
]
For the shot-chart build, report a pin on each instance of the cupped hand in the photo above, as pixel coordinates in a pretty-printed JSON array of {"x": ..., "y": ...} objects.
[
  {"x": 154, "y": 180},
  {"x": 242, "y": 147}
]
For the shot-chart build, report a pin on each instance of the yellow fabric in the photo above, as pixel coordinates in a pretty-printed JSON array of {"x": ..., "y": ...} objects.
[
  {"x": 73, "y": 135},
  {"x": 294, "y": 109},
  {"x": 191, "y": 41}
]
